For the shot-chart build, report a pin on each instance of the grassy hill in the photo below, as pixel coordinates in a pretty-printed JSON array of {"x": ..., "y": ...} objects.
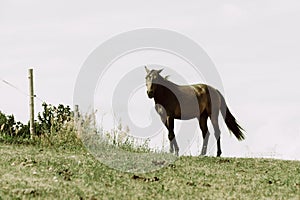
[{"x": 28, "y": 171}]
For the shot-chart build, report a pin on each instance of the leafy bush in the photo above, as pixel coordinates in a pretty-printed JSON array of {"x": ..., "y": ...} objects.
[
  {"x": 10, "y": 128},
  {"x": 53, "y": 126},
  {"x": 56, "y": 127},
  {"x": 53, "y": 119}
]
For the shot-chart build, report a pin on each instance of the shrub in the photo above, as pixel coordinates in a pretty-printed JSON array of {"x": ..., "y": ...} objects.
[
  {"x": 10, "y": 128},
  {"x": 53, "y": 119},
  {"x": 56, "y": 127}
]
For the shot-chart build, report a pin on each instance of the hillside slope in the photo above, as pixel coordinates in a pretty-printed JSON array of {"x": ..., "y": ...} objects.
[{"x": 47, "y": 173}]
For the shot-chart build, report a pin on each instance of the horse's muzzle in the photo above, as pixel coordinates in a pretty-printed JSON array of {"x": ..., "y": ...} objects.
[{"x": 150, "y": 94}]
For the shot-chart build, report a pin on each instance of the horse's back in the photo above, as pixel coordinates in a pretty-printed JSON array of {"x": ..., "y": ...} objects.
[
  {"x": 193, "y": 100},
  {"x": 207, "y": 96}
]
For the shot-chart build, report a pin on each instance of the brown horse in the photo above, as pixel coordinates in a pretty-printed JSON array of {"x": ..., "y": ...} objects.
[{"x": 185, "y": 102}]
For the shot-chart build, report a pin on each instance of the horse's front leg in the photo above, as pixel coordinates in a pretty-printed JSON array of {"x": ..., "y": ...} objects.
[
  {"x": 171, "y": 135},
  {"x": 169, "y": 123}
]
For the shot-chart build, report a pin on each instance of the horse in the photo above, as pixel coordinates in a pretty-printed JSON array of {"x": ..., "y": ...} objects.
[{"x": 184, "y": 102}]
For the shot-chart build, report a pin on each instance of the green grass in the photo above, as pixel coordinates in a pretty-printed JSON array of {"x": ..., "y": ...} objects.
[{"x": 29, "y": 171}]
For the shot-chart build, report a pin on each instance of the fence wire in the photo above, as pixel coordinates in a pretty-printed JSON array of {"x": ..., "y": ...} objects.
[{"x": 20, "y": 91}]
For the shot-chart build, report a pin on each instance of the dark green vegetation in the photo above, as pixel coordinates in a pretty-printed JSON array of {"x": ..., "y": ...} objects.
[
  {"x": 56, "y": 165},
  {"x": 50, "y": 121}
]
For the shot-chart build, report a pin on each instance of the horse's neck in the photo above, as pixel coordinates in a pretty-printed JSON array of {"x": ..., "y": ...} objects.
[{"x": 165, "y": 92}]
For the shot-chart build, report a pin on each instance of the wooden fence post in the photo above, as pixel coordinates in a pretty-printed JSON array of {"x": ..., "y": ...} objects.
[
  {"x": 31, "y": 103},
  {"x": 76, "y": 113}
]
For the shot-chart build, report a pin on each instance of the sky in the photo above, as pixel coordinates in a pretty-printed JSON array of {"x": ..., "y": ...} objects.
[{"x": 253, "y": 44}]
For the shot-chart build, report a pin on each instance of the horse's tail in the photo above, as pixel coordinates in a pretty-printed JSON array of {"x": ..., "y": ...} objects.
[{"x": 230, "y": 121}]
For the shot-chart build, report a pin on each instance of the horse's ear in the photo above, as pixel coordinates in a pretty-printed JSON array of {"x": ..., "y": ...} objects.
[
  {"x": 147, "y": 70},
  {"x": 158, "y": 71}
]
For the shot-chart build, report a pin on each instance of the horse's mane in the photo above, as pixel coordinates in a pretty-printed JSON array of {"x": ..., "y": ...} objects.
[{"x": 167, "y": 77}]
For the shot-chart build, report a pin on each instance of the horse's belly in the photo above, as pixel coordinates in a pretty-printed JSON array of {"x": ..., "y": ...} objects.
[{"x": 187, "y": 114}]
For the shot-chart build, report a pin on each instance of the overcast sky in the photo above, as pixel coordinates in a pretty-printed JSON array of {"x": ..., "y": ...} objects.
[{"x": 254, "y": 44}]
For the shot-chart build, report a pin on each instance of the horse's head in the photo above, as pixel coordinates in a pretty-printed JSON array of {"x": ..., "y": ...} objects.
[{"x": 152, "y": 79}]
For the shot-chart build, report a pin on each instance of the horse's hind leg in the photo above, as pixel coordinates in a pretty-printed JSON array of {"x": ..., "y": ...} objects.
[
  {"x": 205, "y": 132},
  {"x": 214, "y": 121},
  {"x": 171, "y": 136}
]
